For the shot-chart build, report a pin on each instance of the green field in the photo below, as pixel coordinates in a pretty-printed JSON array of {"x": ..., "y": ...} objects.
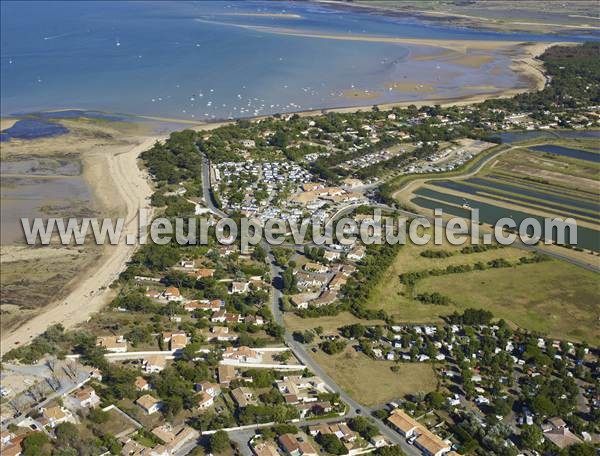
[
  {"x": 552, "y": 297},
  {"x": 372, "y": 382}
]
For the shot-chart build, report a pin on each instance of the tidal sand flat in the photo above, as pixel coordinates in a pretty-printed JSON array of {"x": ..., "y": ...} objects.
[
  {"x": 235, "y": 60},
  {"x": 73, "y": 175}
]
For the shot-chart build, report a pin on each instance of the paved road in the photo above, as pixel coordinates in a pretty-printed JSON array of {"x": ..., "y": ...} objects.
[
  {"x": 206, "y": 189},
  {"x": 305, "y": 358}
]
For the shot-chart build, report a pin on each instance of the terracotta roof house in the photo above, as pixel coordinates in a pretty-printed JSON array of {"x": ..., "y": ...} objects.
[
  {"x": 242, "y": 354},
  {"x": 205, "y": 400},
  {"x": 202, "y": 273},
  {"x": 86, "y": 397},
  {"x": 226, "y": 374},
  {"x": 324, "y": 299},
  {"x": 178, "y": 341},
  {"x": 53, "y": 416},
  {"x": 154, "y": 364},
  {"x": 172, "y": 294},
  {"x": 338, "y": 281},
  {"x": 296, "y": 445},
  {"x": 219, "y": 316},
  {"x": 254, "y": 320},
  {"x": 431, "y": 444},
  {"x": 300, "y": 301},
  {"x": 214, "y": 305},
  {"x": 114, "y": 344},
  {"x": 149, "y": 404},
  {"x": 214, "y": 389},
  {"x": 141, "y": 384},
  {"x": 403, "y": 423},
  {"x": 315, "y": 267},
  {"x": 340, "y": 430},
  {"x": 557, "y": 432},
  {"x": 243, "y": 397},
  {"x": 233, "y": 318},
  {"x": 173, "y": 439}
]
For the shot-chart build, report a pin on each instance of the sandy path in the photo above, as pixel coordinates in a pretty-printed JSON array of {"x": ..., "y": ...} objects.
[{"x": 92, "y": 293}]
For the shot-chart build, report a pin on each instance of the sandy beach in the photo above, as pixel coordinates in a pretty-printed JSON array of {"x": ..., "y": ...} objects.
[
  {"x": 454, "y": 45},
  {"x": 131, "y": 188}
]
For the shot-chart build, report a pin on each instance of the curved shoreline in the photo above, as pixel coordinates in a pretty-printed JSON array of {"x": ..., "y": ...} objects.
[{"x": 92, "y": 292}]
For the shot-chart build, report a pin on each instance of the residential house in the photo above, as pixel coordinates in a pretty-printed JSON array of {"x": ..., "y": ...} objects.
[
  {"x": 205, "y": 400},
  {"x": 296, "y": 445},
  {"x": 149, "y": 404},
  {"x": 315, "y": 267},
  {"x": 356, "y": 254},
  {"x": 172, "y": 294},
  {"x": 202, "y": 273},
  {"x": 338, "y": 281},
  {"x": 10, "y": 444},
  {"x": 403, "y": 423},
  {"x": 340, "y": 430},
  {"x": 314, "y": 408},
  {"x": 176, "y": 341},
  {"x": 557, "y": 432},
  {"x": 155, "y": 363},
  {"x": 242, "y": 354},
  {"x": 114, "y": 344},
  {"x": 254, "y": 320},
  {"x": 141, "y": 384},
  {"x": 332, "y": 256},
  {"x": 347, "y": 269},
  {"x": 300, "y": 301},
  {"x": 239, "y": 287},
  {"x": 233, "y": 318},
  {"x": 53, "y": 416},
  {"x": 219, "y": 316},
  {"x": 86, "y": 397},
  {"x": 430, "y": 444},
  {"x": 306, "y": 280},
  {"x": 221, "y": 333},
  {"x": 378, "y": 441},
  {"x": 153, "y": 294},
  {"x": 173, "y": 438},
  {"x": 213, "y": 389},
  {"x": 226, "y": 374},
  {"x": 243, "y": 396},
  {"x": 214, "y": 305},
  {"x": 324, "y": 299}
]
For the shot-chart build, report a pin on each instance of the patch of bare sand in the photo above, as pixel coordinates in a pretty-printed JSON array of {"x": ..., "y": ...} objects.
[
  {"x": 7, "y": 122},
  {"x": 273, "y": 15},
  {"x": 114, "y": 176},
  {"x": 480, "y": 87},
  {"x": 455, "y": 45},
  {"x": 473, "y": 60}
]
